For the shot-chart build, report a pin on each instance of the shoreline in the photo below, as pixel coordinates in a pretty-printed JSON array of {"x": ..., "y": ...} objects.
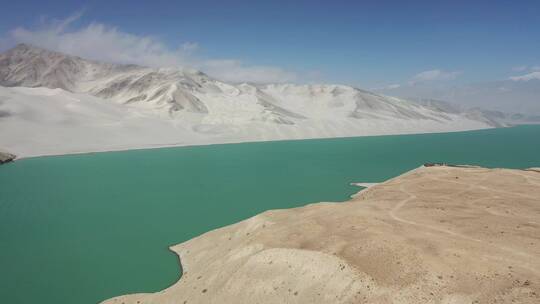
[
  {"x": 190, "y": 250},
  {"x": 226, "y": 142},
  {"x": 184, "y": 266}
]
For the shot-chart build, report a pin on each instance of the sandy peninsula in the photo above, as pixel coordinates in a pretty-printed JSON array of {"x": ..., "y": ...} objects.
[{"x": 433, "y": 235}]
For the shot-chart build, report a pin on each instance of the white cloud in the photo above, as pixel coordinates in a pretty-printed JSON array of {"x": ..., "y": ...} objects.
[
  {"x": 107, "y": 43},
  {"x": 420, "y": 78},
  {"x": 387, "y": 87},
  {"x": 520, "y": 68},
  {"x": 523, "y": 68},
  {"x": 100, "y": 42},
  {"x": 236, "y": 71},
  {"x": 433, "y": 75},
  {"x": 393, "y": 86},
  {"x": 190, "y": 46},
  {"x": 526, "y": 77}
]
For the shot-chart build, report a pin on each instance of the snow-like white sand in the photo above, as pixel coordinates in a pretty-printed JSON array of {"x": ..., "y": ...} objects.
[{"x": 42, "y": 121}]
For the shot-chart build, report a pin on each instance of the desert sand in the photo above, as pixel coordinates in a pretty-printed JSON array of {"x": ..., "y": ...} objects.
[
  {"x": 43, "y": 121},
  {"x": 433, "y": 235}
]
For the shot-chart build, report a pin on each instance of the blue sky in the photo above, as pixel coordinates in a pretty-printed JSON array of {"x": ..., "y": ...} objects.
[{"x": 364, "y": 43}]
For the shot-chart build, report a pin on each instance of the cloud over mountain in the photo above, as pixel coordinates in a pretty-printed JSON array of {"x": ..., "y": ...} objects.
[
  {"x": 107, "y": 43},
  {"x": 526, "y": 77},
  {"x": 433, "y": 75}
]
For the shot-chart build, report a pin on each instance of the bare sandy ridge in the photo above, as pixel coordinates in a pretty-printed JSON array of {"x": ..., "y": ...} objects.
[{"x": 432, "y": 235}]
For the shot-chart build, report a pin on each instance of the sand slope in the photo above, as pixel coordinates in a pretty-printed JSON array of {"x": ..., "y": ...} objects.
[
  {"x": 433, "y": 235},
  {"x": 43, "y": 121},
  {"x": 54, "y": 103}
]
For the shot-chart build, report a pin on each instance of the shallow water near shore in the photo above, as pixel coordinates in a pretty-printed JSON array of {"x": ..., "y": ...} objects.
[{"x": 83, "y": 228}]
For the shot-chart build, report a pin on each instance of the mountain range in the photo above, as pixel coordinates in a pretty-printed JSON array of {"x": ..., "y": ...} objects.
[{"x": 53, "y": 103}]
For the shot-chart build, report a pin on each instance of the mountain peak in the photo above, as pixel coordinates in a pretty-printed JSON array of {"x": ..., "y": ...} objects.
[
  {"x": 31, "y": 66},
  {"x": 25, "y": 47}
]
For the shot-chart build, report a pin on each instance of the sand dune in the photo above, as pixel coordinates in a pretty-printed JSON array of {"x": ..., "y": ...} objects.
[{"x": 43, "y": 121}]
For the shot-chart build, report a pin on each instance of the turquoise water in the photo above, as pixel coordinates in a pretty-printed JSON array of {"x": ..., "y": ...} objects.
[{"x": 83, "y": 228}]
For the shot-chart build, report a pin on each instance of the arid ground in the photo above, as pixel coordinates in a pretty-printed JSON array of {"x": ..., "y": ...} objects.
[{"x": 433, "y": 235}]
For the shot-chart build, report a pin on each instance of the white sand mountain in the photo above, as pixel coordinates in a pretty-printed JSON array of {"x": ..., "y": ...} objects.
[
  {"x": 491, "y": 117},
  {"x": 187, "y": 106}
]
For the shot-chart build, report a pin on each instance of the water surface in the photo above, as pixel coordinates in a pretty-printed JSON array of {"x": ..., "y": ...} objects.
[{"x": 83, "y": 228}]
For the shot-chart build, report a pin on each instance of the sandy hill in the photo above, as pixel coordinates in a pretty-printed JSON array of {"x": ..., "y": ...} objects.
[{"x": 433, "y": 235}]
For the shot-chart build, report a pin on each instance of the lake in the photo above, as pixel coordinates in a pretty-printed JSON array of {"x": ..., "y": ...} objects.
[{"x": 83, "y": 228}]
